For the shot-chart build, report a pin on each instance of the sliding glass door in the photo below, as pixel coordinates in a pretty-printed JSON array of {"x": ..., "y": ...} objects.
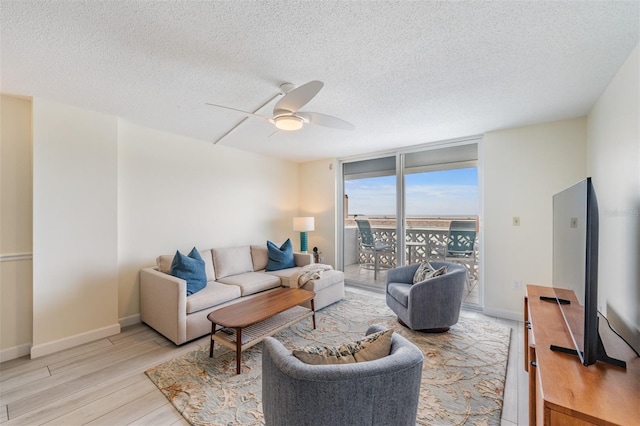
[
  {"x": 442, "y": 200},
  {"x": 369, "y": 247},
  {"x": 409, "y": 208}
]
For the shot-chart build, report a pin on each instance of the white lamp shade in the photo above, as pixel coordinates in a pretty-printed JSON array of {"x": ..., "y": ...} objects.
[{"x": 304, "y": 223}]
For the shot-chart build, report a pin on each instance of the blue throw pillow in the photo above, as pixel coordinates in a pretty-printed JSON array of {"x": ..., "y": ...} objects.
[
  {"x": 280, "y": 257},
  {"x": 191, "y": 269}
]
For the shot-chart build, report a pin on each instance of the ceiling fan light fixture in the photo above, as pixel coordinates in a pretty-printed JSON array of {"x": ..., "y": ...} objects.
[
  {"x": 288, "y": 123},
  {"x": 286, "y": 112}
]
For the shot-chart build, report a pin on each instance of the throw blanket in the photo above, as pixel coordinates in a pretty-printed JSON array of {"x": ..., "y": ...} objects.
[{"x": 307, "y": 273}]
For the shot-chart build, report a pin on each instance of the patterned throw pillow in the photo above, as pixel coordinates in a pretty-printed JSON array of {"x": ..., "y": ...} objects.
[
  {"x": 426, "y": 271},
  {"x": 372, "y": 347}
]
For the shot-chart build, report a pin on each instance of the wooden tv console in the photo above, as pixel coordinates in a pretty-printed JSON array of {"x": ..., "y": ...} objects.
[{"x": 562, "y": 391}]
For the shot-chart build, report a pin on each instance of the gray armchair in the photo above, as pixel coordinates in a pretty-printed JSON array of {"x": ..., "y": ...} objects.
[
  {"x": 432, "y": 305},
  {"x": 380, "y": 392}
]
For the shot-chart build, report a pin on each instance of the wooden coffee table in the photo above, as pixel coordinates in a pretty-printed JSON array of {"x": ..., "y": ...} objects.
[{"x": 258, "y": 317}]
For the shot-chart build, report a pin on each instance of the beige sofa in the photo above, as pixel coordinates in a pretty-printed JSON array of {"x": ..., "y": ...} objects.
[{"x": 233, "y": 274}]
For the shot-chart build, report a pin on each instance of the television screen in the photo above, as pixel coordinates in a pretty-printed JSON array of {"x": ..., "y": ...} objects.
[
  {"x": 575, "y": 270},
  {"x": 572, "y": 258},
  {"x": 570, "y": 239}
]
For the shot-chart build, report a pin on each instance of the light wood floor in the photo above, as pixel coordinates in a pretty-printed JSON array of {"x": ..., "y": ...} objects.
[
  {"x": 515, "y": 409},
  {"x": 103, "y": 382}
]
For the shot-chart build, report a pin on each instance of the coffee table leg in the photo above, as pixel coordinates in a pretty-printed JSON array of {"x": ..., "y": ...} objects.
[
  {"x": 313, "y": 308},
  {"x": 213, "y": 330},
  {"x": 238, "y": 349}
]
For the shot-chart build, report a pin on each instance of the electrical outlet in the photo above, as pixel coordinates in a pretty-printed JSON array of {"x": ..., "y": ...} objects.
[
  {"x": 517, "y": 284},
  {"x": 516, "y": 221}
]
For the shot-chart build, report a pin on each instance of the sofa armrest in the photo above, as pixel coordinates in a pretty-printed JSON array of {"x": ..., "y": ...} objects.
[
  {"x": 163, "y": 304},
  {"x": 302, "y": 259}
]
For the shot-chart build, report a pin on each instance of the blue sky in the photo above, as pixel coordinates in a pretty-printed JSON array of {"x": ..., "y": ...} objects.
[{"x": 447, "y": 192}]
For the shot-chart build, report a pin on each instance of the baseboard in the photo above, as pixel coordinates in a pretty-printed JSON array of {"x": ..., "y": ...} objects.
[
  {"x": 15, "y": 352},
  {"x": 130, "y": 320},
  {"x": 72, "y": 341},
  {"x": 499, "y": 313},
  {"x": 25, "y": 349}
]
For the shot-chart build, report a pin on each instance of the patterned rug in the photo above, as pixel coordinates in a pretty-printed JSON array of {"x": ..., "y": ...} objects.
[{"x": 462, "y": 380}]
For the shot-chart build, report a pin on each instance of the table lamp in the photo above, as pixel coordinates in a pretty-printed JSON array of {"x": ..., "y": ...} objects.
[{"x": 303, "y": 224}]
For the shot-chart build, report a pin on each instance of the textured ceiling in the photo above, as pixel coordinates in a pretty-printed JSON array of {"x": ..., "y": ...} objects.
[{"x": 404, "y": 73}]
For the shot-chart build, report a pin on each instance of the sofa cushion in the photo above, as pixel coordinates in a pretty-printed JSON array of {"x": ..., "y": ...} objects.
[
  {"x": 372, "y": 347},
  {"x": 284, "y": 274},
  {"x": 251, "y": 282},
  {"x": 191, "y": 269},
  {"x": 400, "y": 292},
  {"x": 280, "y": 257},
  {"x": 163, "y": 262},
  {"x": 231, "y": 261},
  {"x": 260, "y": 257},
  {"x": 426, "y": 271},
  {"x": 212, "y": 295},
  {"x": 208, "y": 264},
  {"x": 328, "y": 279}
]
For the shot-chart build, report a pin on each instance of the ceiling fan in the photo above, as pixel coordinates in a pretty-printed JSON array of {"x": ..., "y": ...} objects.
[{"x": 286, "y": 113}]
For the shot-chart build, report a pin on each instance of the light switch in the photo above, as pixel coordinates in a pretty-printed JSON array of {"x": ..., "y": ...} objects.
[{"x": 516, "y": 221}]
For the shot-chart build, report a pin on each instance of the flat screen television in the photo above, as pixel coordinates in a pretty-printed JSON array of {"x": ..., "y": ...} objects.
[{"x": 575, "y": 270}]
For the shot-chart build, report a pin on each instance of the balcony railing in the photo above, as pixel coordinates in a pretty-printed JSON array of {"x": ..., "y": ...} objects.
[{"x": 425, "y": 239}]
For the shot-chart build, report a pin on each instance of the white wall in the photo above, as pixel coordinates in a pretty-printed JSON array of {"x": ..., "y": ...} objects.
[
  {"x": 523, "y": 168},
  {"x": 176, "y": 193},
  {"x": 614, "y": 163},
  {"x": 16, "y": 224},
  {"x": 109, "y": 197},
  {"x": 318, "y": 198},
  {"x": 75, "y": 226}
]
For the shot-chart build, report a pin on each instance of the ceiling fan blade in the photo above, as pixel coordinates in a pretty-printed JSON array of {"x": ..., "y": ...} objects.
[
  {"x": 297, "y": 98},
  {"x": 326, "y": 120},
  {"x": 244, "y": 112},
  {"x": 273, "y": 133}
]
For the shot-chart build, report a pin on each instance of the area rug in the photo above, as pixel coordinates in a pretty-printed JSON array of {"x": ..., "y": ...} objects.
[{"x": 462, "y": 380}]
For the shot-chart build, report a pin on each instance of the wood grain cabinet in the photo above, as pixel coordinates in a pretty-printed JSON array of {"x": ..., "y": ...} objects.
[{"x": 564, "y": 392}]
